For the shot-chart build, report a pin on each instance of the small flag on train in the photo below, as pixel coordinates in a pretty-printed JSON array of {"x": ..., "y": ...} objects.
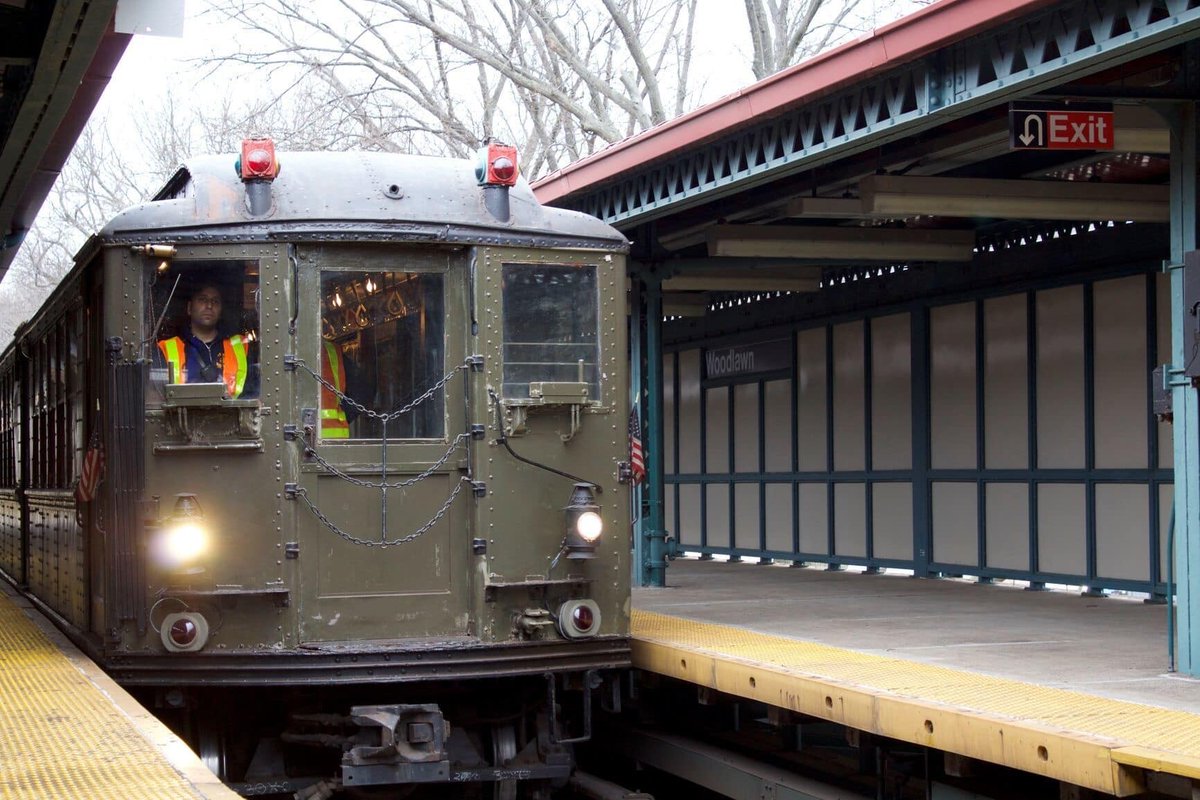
[
  {"x": 637, "y": 460},
  {"x": 92, "y": 472}
]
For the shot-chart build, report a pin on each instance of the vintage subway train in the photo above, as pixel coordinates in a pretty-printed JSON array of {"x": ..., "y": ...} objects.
[{"x": 381, "y": 536}]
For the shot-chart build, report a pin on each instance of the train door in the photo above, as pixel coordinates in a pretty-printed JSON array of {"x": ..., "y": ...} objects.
[{"x": 381, "y": 498}]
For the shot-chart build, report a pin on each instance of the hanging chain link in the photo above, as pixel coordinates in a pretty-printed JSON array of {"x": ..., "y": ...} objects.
[
  {"x": 333, "y": 470},
  {"x": 383, "y": 543},
  {"x": 372, "y": 413},
  {"x": 383, "y": 485}
]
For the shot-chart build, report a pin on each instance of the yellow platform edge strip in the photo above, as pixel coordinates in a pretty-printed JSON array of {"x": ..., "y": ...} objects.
[
  {"x": 1060, "y": 734},
  {"x": 69, "y": 731}
]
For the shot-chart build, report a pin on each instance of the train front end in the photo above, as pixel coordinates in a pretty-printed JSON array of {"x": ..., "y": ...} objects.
[{"x": 391, "y": 520}]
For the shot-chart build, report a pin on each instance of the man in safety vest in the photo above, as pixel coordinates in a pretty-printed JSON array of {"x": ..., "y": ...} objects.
[
  {"x": 335, "y": 424},
  {"x": 201, "y": 354}
]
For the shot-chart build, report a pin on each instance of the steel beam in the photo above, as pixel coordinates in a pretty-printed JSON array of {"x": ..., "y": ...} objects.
[
  {"x": 654, "y": 572},
  {"x": 1184, "y": 143},
  {"x": 1033, "y": 54}
]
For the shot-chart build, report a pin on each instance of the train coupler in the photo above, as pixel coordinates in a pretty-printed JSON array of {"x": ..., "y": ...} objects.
[
  {"x": 410, "y": 746},
  {"x": 407, "y": 744}
]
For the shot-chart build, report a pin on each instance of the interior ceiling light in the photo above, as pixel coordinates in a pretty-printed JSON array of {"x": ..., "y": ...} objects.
[
  {"x": 861, "y": 244},
  {"x": 1014, "y": 199}
]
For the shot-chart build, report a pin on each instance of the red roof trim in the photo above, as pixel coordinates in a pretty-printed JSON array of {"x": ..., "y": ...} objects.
[{"x": 903, "y": 40}]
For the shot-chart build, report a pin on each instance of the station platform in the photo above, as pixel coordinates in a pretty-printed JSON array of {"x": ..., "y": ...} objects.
[
  {"x": 68, "y": 731},
  {"x": 1070, "y": 687}
]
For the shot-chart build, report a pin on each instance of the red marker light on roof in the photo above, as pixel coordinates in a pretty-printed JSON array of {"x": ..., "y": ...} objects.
[
  {"x": 258, "y": 160},
  {"x": 497, "y": 165}
]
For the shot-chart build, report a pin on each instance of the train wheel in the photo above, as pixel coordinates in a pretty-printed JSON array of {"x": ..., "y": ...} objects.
[
  {"x": 210, "y": 746},
  {"x": 504, "y": 750}
]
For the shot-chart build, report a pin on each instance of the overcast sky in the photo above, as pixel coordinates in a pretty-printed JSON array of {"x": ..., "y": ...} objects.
[{"x": 152, "y": 63}]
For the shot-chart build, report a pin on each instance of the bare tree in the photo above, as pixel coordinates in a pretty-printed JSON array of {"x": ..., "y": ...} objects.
[
  {"x": 559, "y": 78},
  {"x": 782, "y": 32}
]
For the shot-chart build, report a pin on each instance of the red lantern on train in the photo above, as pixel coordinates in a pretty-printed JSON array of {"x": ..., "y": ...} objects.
[
  {"x": 497, "y": 165},
  {"x": 258, "y": 160}
]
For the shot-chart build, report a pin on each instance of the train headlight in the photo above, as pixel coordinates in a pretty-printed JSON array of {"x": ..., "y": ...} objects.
[
  {"x": 589, "y": 525},
  {"x": 183, "y": 538},
  {"x": 184, "y": 542},
  {"x": 584, "y": 524}
]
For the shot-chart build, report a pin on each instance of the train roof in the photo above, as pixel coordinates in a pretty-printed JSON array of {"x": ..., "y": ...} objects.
[{"x": 379, "y": 195}]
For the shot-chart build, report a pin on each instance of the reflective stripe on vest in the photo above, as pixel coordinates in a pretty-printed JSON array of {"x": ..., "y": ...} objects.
[
  {"x": 175, "y": 353},
  {"x": 334, "y": 424},
  {"x": 234, "y": 365}
]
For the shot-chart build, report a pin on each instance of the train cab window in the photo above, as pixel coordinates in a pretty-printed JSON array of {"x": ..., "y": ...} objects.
[
  {"x": 201, "y": 326},
  {"x": 382, "y": 346},
  {"x": 551, "y": 327}
]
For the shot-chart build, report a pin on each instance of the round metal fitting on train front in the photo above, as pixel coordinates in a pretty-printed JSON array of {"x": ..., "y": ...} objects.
[{"x": 184, "y": 632}]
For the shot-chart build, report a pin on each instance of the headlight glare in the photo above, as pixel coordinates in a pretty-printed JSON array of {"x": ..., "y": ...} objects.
[
  {"x": 590, "y": 526},
  {"x": 183, "y": 542}
]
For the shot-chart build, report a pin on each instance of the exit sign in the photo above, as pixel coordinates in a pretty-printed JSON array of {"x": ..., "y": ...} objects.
[{"x": 1046, "y": 126}]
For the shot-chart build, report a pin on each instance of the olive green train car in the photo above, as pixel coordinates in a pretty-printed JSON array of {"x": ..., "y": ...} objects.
[{"x": 386, "y": 538}]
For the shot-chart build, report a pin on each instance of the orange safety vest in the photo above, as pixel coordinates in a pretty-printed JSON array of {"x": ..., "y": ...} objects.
[
  {"x": 234, "y": 365},
  {"x": 334, "y": 424}
]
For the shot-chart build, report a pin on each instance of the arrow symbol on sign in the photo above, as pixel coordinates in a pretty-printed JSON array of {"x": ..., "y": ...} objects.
[{"x": 1028, "y": 138}]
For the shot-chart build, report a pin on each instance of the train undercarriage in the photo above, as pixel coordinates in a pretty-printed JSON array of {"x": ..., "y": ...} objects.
[{"x": 503, "y": 739}]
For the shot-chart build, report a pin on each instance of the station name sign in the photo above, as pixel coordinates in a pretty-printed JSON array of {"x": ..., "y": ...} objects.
[
  {"x": 750, "y": 360},
  {"x": 1060, "y": 126}
]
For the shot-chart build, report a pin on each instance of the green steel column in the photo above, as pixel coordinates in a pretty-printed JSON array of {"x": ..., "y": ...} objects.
[
  {"x": 654, "y": 572},
  {"x": 635, "y": 394},
  {"x": 1187, "y": 442}
]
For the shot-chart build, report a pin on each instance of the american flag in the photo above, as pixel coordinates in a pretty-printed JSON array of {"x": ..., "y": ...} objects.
[
  {"x": 637, "y": 460},
  {"x": 92, "y": 472}
]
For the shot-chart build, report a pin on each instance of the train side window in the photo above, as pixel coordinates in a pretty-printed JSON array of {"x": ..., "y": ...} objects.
[
  {"x": 551, "y": 327},
  {"x": 382, "y": 345},
  {"x": 201, "y": 326}
]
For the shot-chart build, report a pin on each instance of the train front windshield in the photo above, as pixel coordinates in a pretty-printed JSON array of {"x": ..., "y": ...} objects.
[
  {"x": 382, "y": 347},
  {"x": 551, "y": 327},
  {"x": 201, "y": 325}
]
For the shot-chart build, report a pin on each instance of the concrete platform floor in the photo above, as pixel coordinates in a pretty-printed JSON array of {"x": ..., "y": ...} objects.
[{"x": 1111, "y": 646}]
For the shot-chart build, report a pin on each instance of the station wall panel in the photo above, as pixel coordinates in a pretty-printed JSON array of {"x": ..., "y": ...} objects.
[
  {"x": 777, "y": 424},
  {"x": 892, "y": 521},
  {"x": 812, "y": 412},
  {"x": 716, "y": 515},
  {"x": 1121, "y": 415},
  {"x": 745, "y": 428},
  {"x": 814, "y": 519},
  {"x": 689, "y": 528},
  {"x": 891, "y": 392},
  {"x": 1007, "y": 522},
  {"x": 850, "y": 520},
  {"x": 849, "y": 401},
  {"x": 747, "y": 516},
  {"x": 1062, "y": 528},
  {"x": 952, "y": 390},
  {"x": 716, "y": 430},
  {"x": 1026, "y": 451},
  {"x": 1121, "y": 550},
  {"x": 690, "y": 436},
  {"x": 779, "y": 517},
  {"x": 955, "y": 523},
  {"x": 1060, "y": 395},
  {"x": 1006, "y": 382}
]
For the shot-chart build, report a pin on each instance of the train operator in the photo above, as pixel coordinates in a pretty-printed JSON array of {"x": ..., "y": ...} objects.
[
  {"x": 202, "y": 354},
  {"x": 340, "y": 370}
]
